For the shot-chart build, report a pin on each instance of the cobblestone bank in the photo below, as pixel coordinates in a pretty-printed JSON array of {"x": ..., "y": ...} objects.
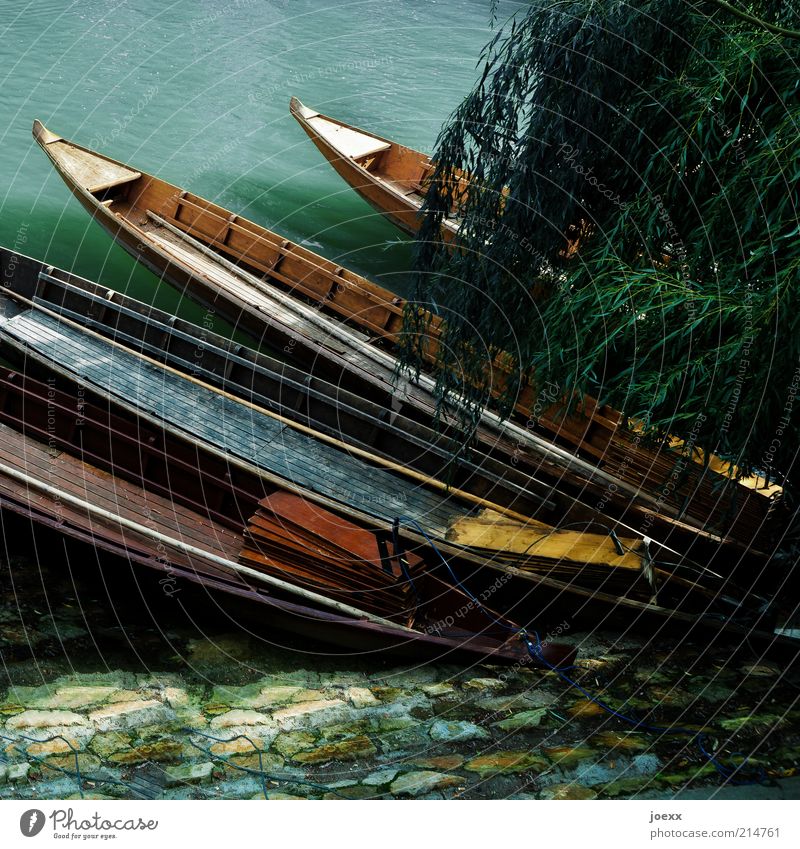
[{"x": 225, "y": 715}]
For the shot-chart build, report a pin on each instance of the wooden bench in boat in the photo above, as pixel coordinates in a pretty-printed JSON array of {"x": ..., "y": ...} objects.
[
  {"x": 90, "y": 170},
  {"x": 234, "y": 428},
  {"x": 350, "y": 143},
  {"x": 302, "y": 542}
]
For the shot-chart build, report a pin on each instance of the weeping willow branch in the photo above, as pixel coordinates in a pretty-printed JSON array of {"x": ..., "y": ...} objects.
[
  {"x": 629, "y": 229},
  {"x": 752, "y": 19}
]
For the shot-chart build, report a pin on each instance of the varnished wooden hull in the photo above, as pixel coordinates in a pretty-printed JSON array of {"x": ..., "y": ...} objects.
[{"x": 636, "y": 473}]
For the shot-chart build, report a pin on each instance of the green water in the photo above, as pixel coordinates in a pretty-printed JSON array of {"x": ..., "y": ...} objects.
[{"x": 197, "y": 93}]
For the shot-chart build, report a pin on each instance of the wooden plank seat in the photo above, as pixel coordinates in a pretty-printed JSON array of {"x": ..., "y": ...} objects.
[
  {"x": 333, "y": 288},
  {"x": 349, "y": 143},
  {"x": 90, "y": 170},
  {"x": 95, "y": 173}
]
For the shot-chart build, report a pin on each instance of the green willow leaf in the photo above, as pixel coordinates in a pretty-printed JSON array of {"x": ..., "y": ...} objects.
[{"x": 661, "y": 140}]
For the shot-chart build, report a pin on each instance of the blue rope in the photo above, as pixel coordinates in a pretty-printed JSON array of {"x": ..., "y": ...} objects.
[
  {"x": 76, "y": 774},
  {"x": 727, "y": 773},
  {"x": 537, "y": 654}
]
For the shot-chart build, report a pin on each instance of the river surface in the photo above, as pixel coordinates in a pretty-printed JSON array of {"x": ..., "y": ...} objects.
[{"x": 197, "y": 92}]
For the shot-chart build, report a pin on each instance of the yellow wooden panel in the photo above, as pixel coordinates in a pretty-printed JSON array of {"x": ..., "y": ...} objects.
[{"x": 535, "y": 539}]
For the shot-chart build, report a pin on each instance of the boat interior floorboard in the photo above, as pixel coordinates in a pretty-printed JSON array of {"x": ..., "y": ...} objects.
[
  {"x": 348, "y": 345},
  {"x": 231, "y": 426},
  {"x": 72, "y": 476}
]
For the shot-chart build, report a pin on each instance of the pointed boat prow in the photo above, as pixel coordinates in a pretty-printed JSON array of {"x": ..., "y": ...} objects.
[
  {"x": 299, "y": 110},
  {"x": 42, "y": 135}
]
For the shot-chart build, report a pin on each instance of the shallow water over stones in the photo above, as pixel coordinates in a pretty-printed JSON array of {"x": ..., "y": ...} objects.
[{"x": 113, "y": 690}]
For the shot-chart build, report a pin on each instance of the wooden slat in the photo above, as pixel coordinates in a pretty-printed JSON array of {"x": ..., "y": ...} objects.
[
  {"x": 287, "y": 536},
  {"x": 104, "y": 490},
  {"x": 350, "y": 296},
  {"x": 235, "y": 428}
]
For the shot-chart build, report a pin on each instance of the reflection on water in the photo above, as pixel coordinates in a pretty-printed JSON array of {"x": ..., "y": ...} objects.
[{"x": 198, "y": 93}]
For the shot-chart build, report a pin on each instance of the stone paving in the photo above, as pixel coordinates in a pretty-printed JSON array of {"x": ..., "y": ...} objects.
[{"x": 177, "y": 714}]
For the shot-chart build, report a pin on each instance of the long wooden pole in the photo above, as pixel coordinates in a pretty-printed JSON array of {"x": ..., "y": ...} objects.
[
  {"x": 375, "y": 459},
  {"x": 185, "y": 547}
]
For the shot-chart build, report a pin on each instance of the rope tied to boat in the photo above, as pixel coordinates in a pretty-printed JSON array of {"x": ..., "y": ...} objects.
[
  {"x": 728, "y": 773},
  {"x": 535, "y": 650}
]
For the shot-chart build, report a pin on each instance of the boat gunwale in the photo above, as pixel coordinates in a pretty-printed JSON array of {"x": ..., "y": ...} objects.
[{"x": 463, "y": 553}]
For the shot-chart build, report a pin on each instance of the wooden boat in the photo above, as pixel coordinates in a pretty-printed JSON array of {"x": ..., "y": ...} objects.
[
  {"x": 183, "y": 438},
  {"x": 243, "y": 271},
  {"x": 148, "y": 524},
  {"x": 544, "y": 497},
  {"x": 84, "y": 502},
  {"x": 389, "y": 176},
  {"x": 264, "y": 380},
  {"x": 130, "y": 489}
]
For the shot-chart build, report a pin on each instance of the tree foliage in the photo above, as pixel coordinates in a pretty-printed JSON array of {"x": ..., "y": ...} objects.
[{"x": 630, "y": 229}]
